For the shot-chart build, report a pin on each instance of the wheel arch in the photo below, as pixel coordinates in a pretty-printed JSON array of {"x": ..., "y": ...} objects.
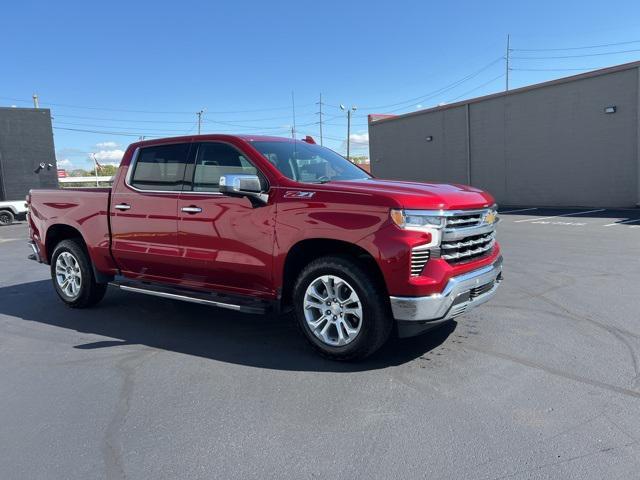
[
  {"x": 58, "y": 232},
  {"x": 307, "y": 250}
]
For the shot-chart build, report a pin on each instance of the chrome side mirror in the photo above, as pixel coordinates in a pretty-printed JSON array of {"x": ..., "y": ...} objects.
[{"x": 242, "y": 185}]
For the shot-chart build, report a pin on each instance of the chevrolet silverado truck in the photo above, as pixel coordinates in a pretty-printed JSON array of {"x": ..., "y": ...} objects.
[{"x": 258, "y": 224}]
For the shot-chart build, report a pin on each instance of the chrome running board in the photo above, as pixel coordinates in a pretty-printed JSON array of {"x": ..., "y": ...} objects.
[{"x": 236, "y": 303}]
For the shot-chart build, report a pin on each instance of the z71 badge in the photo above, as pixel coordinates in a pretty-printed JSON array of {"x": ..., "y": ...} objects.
[{"x": 297, "y": 194}]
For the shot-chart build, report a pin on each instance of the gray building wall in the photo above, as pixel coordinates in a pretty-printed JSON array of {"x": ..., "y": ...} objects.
[
  {"x": 26, "y": 140},
  {"x": 546, "y": 145}
]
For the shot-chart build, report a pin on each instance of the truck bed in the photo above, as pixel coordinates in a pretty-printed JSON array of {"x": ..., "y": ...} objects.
[{"x": 85, "y": 209}]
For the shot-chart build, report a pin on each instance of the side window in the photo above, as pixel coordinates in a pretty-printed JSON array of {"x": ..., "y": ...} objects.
[
  {"x": 161, "y": 167},
  {"x": 214, "y": 160}
]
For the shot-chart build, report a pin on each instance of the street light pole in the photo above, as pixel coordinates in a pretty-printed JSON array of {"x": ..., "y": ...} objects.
[
  {"x": 200, "y": 120},
  {"x": 95, "y": 166},
  {"x": 349, "y": 110}
]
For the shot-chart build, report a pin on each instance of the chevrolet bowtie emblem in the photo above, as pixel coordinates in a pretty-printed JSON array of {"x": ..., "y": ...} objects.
[{"x": 490, "y": 217}]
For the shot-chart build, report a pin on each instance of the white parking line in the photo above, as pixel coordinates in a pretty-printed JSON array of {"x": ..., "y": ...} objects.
[
  {"x": 620, "y": 223},
  {"x": 556, "y": 216},
  {"x": 520, "y": 210}
]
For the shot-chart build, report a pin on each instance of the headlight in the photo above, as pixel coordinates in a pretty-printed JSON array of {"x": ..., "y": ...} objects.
[
  {"x": 418, "y": 221},
  {"x": 415, "y": 220}
]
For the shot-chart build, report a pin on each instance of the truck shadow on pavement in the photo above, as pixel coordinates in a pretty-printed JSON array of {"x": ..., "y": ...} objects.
[{"x": 259, "y": 341}]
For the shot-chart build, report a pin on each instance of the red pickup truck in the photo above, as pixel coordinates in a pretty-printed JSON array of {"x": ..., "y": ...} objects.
[{"x": 257, "y": 224}]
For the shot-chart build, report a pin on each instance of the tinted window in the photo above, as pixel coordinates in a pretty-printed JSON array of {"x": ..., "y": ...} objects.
[
  {"x": 161, "y": 167},
  {"x": 214, "y": 160},
  {"x": 306, "y": 162}
]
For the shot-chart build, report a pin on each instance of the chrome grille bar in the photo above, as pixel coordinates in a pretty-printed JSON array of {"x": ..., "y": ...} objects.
[
  {"x": 469, "y": 243},
  {"x": 469, "y": 253},
  {"x": 419, "y": 258}
]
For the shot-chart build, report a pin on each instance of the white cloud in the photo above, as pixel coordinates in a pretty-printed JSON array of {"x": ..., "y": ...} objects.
[
  {"x": 359, "y": 142},
  {"x": 107, "y": 153},
  {"x": 65, "y": 163},
  {"x": 113, "y": 156},
  {"x": 107, "y": 145}
]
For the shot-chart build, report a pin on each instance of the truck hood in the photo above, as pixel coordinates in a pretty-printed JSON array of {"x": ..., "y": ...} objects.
[{"x": 415, "y": 195}]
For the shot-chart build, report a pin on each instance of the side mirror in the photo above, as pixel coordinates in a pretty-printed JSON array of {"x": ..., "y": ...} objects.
[{"x": 242, "y": 185}]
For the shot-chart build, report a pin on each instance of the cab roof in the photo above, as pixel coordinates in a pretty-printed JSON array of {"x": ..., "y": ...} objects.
[{"x": 217, "y": 136}]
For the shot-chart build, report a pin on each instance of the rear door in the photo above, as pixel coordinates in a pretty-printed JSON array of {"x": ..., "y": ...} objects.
[
  {"x": 144, "y": 212},
  {"x": 227, "y": 242}
]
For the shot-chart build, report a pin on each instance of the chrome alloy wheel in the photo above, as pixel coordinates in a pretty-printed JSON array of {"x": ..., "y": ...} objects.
[
  {"x": 333, "y": 310},
  {"x": 68, "y": 275}
]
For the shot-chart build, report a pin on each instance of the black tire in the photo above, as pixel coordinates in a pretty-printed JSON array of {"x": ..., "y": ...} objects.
[
  {"x": 6, "y": 217},
  {"x": 90, "y": 292},
  {"x": 376, "y": 322}
]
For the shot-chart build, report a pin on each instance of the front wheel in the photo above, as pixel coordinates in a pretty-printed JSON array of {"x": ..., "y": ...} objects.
[
  {"x": 73, "y": 276},
  {"x": 341, "y": 309},
  {"x": 6, "y": 217}
]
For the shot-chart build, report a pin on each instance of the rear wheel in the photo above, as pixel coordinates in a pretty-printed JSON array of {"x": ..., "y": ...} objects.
[
  {"x": 73, "y": 277},
  {"x": 6, "y": 217},
  {"x": 341, "y": 309}
]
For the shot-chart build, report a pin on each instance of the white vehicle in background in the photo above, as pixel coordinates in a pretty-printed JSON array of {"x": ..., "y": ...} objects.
[{"x": 12, "y": 211}]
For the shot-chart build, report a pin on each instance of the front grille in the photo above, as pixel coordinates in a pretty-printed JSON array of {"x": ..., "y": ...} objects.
[
  {"x": 468, "y": 248},
  {"x": 419, "y": 258},
  {"x": 467, "y": 236},
  {"x": 462, "y": 221}
]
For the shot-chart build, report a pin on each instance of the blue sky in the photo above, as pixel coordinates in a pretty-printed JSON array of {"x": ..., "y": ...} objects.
[{"x": 125, "y": 69}]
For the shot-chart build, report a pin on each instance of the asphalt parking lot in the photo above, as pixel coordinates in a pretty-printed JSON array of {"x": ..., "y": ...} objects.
[{"x": 542, "y": 382}]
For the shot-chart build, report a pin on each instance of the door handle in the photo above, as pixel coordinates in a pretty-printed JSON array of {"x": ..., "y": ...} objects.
[
  {"x": 122, "y": 206},
  {"x": 191, "y": 209}
]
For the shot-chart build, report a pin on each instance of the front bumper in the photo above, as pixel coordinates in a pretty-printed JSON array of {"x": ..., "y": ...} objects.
[{"x": 462, "y": 293}]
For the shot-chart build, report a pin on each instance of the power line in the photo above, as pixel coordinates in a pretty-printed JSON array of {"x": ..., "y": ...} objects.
[
  {"x": 438, "y": 91},
  {"x": 54, "y": 116},
  {"x": 253, "y": 127},
  {"x": 579, "y": 55},
  {"x": 552, "y": 69},
  {"x": 186, "y": 122},
  {"x": 121, "y": 134},
  {"x": 108, "y": 109},
  {"x": 122, "y": 126},
  {"x": 574, "y": 48},
  {"x": 476, "y": 88},
  {"x": 138, "y": 134}
]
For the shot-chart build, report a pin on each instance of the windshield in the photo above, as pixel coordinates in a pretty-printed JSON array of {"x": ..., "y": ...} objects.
[{"x": 309, "y": 163}]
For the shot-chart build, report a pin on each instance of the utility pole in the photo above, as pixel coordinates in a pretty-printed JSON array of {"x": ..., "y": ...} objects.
[
  {"x": 36, "y": 103},
  {"x": 320, "y": 112},
  {"x": 349, "y": 110},
  {"x": 200, "y": 120},
  {"x": 293, "y": 110},
  {"x": 507, "y": 63},
  {"x": 348, "y": 132}
]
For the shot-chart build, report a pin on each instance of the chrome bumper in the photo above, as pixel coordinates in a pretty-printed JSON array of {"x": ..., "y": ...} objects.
[{"x": 460, "y": 294}]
